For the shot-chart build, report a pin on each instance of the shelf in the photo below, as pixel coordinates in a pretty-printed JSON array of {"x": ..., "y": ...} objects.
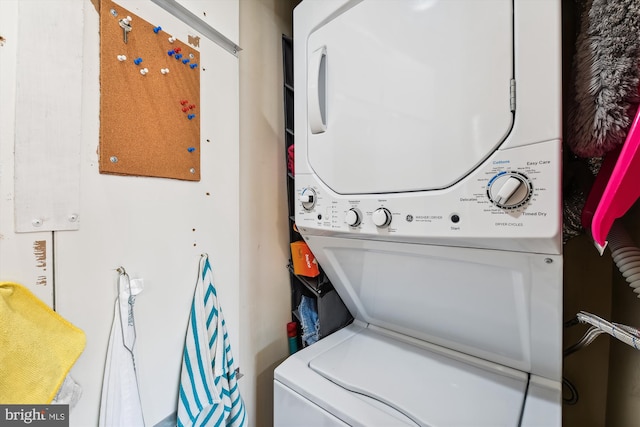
[
  {"x": 318, "y": 285},
  {"x": 332, "y": 313}
]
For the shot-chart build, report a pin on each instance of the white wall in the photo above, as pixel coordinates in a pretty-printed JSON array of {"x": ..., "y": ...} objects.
[{"x": 265, "y": 296}]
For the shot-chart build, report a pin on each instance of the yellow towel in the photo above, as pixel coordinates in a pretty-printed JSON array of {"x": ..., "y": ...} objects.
[{"x": 37, "y": 347}]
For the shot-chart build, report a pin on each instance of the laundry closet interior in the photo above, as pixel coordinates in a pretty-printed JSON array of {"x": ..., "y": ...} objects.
[{"x": 146, "y": 139}]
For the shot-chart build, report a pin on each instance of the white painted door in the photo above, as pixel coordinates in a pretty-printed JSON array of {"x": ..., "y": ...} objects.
[{"x": 155, "y": 228}]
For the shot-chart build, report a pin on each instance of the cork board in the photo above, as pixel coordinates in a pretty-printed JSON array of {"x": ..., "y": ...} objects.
[{"x": 149, "y": 118}]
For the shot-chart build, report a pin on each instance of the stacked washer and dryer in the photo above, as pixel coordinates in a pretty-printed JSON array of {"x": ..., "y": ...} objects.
[{"x": 428, "y": 177}]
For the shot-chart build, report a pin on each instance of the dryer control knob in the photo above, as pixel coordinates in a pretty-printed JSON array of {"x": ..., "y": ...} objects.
[
  {"x": 308, "y": 198},
  {"x": 353, "y": 217},
  {"x": 381, "y": 217},
  {"x": 509, "y": 190}
]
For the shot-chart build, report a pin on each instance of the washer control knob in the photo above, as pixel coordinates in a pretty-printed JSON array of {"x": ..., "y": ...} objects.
[
  {"x": 381, "y": 217},
  {"x": 308, "y": 198},
  {"x": 353, "y": 217},
  {"x": 509, "y": 190}
]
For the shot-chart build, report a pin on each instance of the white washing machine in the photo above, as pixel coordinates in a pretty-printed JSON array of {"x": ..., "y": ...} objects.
[{"x": 428, "y": 174}]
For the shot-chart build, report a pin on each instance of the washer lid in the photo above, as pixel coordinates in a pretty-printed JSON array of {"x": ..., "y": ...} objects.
[
  {"x": 427, "y": 387},
  {"x": 407, "y": 96}
]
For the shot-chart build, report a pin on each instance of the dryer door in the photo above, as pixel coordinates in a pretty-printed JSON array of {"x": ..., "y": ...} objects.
[{"x": 407, "y": 96}]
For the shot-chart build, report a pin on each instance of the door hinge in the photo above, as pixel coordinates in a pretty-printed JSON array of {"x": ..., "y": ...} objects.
[{"x": 512, "y": 95}]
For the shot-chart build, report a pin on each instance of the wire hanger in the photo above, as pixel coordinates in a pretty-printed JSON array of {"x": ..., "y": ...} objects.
[{"x": 130, "y": 318}]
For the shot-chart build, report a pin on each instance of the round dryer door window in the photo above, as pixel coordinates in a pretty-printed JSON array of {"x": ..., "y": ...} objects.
[{"x": 407, "y": 95}]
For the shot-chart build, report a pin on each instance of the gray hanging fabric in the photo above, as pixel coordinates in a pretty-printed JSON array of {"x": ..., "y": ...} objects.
[{"x": 605, "y": 73}]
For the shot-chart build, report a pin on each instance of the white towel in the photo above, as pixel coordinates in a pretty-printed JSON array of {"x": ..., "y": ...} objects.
[
  {"x": 120, "y": 402},
  {"x": 209, "y": 394}
]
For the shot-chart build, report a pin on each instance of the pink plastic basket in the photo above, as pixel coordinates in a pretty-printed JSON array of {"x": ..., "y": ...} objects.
[{"x": 622, "y": 187}]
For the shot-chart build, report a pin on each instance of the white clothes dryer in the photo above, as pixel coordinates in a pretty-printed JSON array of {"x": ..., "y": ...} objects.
[{"x": 428, "y": 175}]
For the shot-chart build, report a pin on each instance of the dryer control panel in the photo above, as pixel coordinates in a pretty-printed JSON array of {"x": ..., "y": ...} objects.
[{"x": 511, "y": 201}]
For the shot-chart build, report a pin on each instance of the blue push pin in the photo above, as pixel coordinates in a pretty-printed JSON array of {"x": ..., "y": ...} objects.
[
  {"x": 191, "y": 116},
  {"x": 137, "y": 61},
  {"x": 184, "y": 61},
  {"x": 194, "y": 65},
  {"x": 171, "y": 52},
  {"x": 191, "y": 149},
  {"x": 157, "y": 29},
  {"x": 178, "y": 56}
]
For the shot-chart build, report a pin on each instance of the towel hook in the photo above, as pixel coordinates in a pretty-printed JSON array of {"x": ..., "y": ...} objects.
[{"x": 204, "y": 257}]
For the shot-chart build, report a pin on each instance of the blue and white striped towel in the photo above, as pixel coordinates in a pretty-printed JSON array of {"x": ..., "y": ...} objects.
[{"x": 209, "y": 394}]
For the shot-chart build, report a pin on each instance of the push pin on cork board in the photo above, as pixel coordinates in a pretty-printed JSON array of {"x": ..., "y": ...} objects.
[{"x": 168, "y": 139}]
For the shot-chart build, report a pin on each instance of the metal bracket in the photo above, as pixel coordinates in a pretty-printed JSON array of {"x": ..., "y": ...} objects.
[{"x": 186, "y": 16}]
